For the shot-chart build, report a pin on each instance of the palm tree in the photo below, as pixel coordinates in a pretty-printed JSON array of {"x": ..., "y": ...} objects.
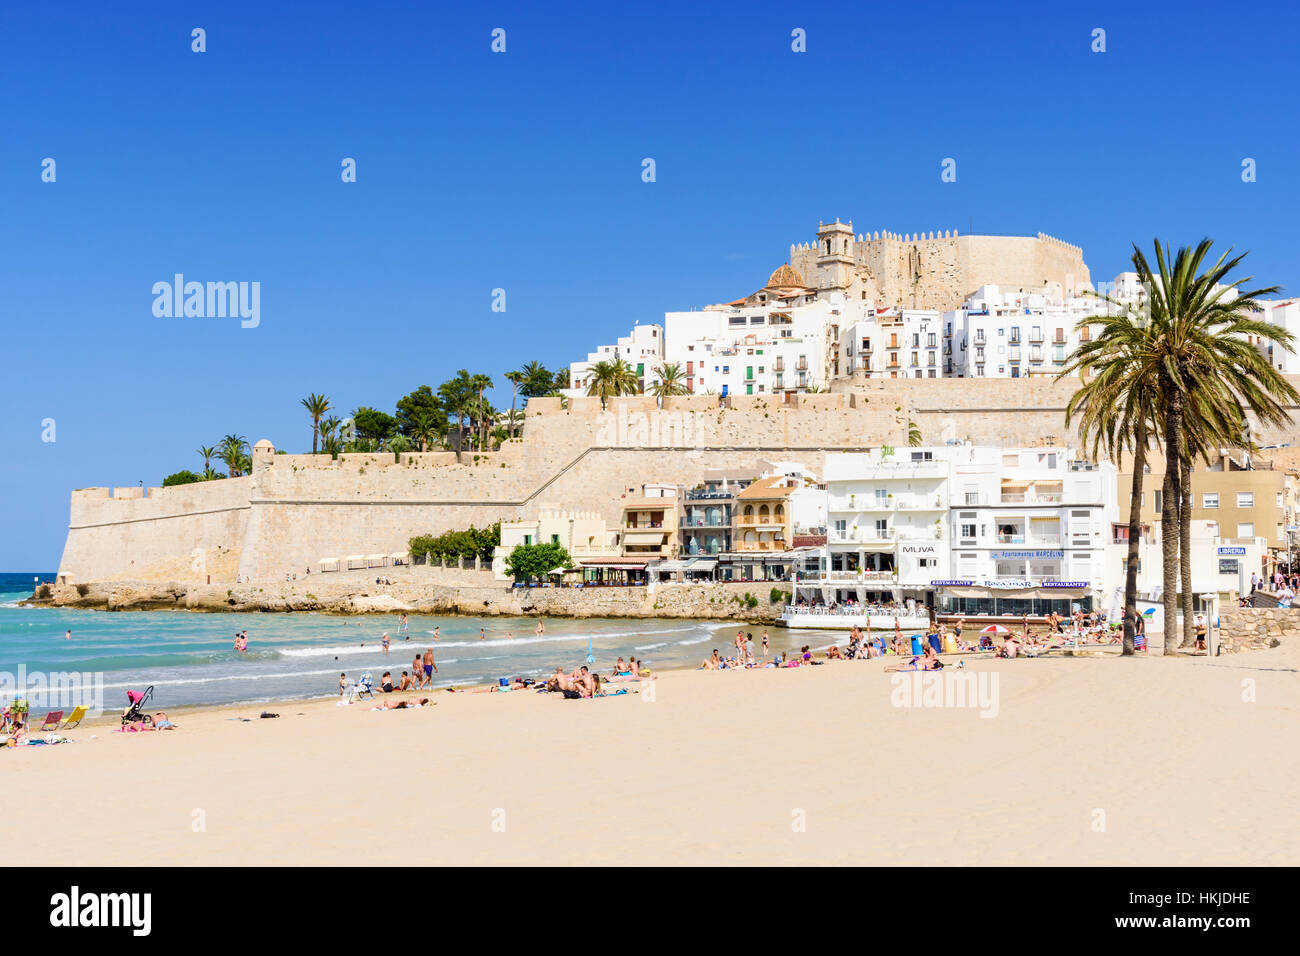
[
  {"x": 317, "y": 406},
  {"x": 329, "y": 426},
  {"x": 913, "y": 434},
  {"x": 1116, "y": 408},
  {"x": 481, "y": 383},
  {"x": 233, "y": 451},
  {"x": 672, "y": 381},
  {"x": 457, "y": 394},
  {"x": 1211, "y": 378},
  {"x": 423, "y": 427},
  {"x": 207, "y": 452},
  {"x": 515, "y": 378}
]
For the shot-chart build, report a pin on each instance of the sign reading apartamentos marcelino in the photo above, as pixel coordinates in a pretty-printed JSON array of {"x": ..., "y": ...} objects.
[{"x": 1013, "y": 555}]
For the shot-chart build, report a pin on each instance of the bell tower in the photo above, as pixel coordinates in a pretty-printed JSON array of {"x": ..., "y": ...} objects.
[{"x": 835, "y": 259}]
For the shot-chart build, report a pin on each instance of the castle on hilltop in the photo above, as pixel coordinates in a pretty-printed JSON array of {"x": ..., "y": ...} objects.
[{"x": 935, "y": 270}]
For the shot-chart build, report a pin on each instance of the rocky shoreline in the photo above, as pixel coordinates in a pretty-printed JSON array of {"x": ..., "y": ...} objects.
[{"x": 710, "y": 601}]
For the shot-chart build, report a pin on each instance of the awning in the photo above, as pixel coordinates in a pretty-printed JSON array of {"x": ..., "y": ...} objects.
[
  {"x": 643, "y": 537},
  {"x": 1047, "y": 594},
  {"x": 625, "y": 566},
  {"x": 702, "y": 564},
  {"x": 670, "y": 566}
]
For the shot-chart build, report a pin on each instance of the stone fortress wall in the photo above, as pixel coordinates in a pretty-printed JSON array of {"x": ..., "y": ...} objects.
[
  {"x": 941, "y": 270},
  {"x": 295, "y": 509}
]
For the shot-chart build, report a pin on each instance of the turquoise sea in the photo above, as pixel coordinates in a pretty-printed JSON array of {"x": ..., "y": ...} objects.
[{"x": 189, "y": 657}]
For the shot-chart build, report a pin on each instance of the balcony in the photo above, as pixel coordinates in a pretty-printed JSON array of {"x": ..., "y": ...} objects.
[
  {"x": 758, "y": 521},
  {"x": 705, "y": 522},
  {"x": 1024, "y": 498},
  {"x": 1011, "y": 538},
  {"x": 854, "y": 577}
]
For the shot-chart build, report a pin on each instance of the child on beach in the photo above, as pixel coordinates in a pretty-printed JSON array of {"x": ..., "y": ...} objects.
[
  {"x": 384, "y": 643},
  {"x": 343, "y": 684}
]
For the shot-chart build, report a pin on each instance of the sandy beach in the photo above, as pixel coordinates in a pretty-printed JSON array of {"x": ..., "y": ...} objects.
[{"x": 1092, "y": 761}]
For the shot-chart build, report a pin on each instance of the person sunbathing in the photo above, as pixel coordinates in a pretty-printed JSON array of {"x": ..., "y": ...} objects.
[
  {"x": 161, "y": 722},
  {"x": 401, "y": 704},
  {"x": 711, "y": 663},
  {"x": 921, "y": 663}
]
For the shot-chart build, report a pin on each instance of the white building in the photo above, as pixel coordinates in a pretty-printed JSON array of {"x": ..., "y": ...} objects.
[
  {"x": 894, "y": 343},
  {"x": 1220, "y": 566},
  {"x": 1284, "y": 313},
  {"x": 1029, "y": 530},
  {"x": 886, "y": 521},
  {"x": 642, "y": 348},
  {"x": 755, "y": 349}
]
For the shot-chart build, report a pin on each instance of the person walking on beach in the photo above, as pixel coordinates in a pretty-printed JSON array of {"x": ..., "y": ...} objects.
[
  {"x": 417, "y": 671},
  {"x": 1201, "y": 628},
  {"x": 430, "y": 668}
]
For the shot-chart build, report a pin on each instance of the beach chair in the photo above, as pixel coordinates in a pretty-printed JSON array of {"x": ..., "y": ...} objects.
[
  {"x": 362, "y": 688},
  {"x": 75, "y": 717},
  {"x": 52, "y": 720}
]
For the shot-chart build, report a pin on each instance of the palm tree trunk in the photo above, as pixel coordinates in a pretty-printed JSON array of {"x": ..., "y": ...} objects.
[
  {"x": 513, "y": 398},
  {"x": 1169, "y": 528},
  {"x": 1134, "y": 539},
  {"x": 1185, "y": 548},
  {"x": 315, "y": 433}
]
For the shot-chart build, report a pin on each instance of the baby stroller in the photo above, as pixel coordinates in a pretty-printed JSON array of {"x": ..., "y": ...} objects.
[{"x": 135, "y": 712}]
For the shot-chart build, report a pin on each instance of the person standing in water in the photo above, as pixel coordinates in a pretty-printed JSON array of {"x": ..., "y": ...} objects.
[
  {"x": 482, "y": 633},
  {"x": 68, "y": 636},
  {"x": 765, "y": 642},
  {"x": 404, "y": 626},
  {"x": 384, "y": 642},
  {"x": 541, "y": 628},
  {"x": 436, "y": 628}
]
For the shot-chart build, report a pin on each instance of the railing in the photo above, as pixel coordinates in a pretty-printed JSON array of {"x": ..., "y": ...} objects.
[
  {"x": 1021, "y": 498},
  {"x": 854, "y": 576},
  {"x": 705, "y": 523},
  {"x": 1011, "y": 539},
  {"x": 775, "y": 521},
  {"x": 1046, "y": 539}
]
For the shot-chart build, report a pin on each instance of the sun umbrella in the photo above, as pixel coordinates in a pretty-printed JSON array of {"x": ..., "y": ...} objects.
[{"x": 994, "y": 629}]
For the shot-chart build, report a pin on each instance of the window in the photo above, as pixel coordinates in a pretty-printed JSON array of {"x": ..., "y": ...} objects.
[
  {"x": 968, "y": 531},
  {"x": 736, "y": 320},
  {"x": 1246, "y": 530},
  {"x": 1160, "y": 500},
  {"x": 555, "y": 539},
  {"x": 930, "y": 340},
  {"x": 1245, "y": 499},
  {"x": 1210, "y": 499}
]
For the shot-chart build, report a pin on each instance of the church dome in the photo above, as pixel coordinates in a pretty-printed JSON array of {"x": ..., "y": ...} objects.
[{"x": 785, "y": 278}]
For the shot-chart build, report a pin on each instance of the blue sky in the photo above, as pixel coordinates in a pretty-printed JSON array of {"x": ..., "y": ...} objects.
[{"x": 522, "y": 171}]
